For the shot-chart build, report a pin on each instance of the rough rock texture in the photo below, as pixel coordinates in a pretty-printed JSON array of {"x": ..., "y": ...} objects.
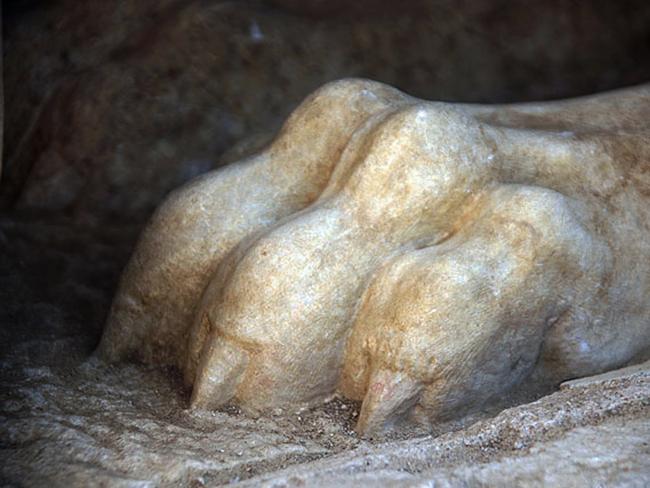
[
  {"x": 68, "y": 421},
  {"x": 423, "y": 258},
  {"x": 573, "y": 438},
  {"x": 112, "y": 104}
]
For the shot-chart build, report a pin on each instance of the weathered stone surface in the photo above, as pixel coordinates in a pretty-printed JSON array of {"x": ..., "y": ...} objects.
[
  {"x": 67, "y": 421},
  {"x": 640, "y": 368},
  {"x": 423, "y": 258},
  {"x": 110, "y": 105},
  {"x": 614, "y": 453},
  {"x": 596, "y": 433}
]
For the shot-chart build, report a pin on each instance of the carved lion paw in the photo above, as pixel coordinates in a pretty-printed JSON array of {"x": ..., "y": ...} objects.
[{"x": 419, "y": 257}]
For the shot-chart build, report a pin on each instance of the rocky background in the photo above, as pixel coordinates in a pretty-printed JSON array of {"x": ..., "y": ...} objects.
[{"x": 110, "y": 104}]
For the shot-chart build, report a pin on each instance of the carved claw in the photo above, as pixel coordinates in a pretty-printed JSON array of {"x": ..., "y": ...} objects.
[
  {"x": 403, "y": 253},
  {"x": 390, "y": 396},
  {"x": 222, "y": 368}
]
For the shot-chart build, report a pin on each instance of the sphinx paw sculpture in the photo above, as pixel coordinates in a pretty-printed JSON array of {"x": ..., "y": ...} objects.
[{"x": 420, "y": 257}]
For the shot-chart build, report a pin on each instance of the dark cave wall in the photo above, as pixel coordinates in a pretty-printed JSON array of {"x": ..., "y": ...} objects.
[{"x": 111, "y": 104}]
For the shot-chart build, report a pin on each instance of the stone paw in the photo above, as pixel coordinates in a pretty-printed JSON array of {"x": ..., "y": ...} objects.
[{"x": 420, "y": 257}]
